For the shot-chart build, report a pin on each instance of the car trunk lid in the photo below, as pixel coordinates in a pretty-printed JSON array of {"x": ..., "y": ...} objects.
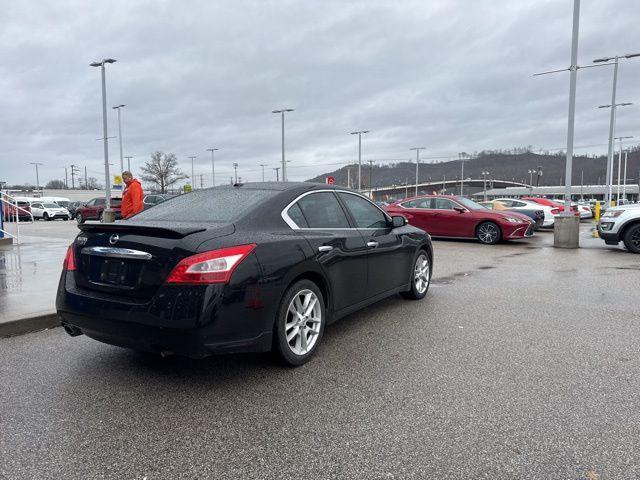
[{"x": 133, "y": 259}]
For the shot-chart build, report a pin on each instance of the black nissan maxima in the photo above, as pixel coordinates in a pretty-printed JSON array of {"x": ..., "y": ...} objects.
[{"x": 250, "y": 267}]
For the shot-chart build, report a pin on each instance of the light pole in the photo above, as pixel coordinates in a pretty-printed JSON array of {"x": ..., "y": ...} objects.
[
  {"x": 235, "y": 169},
  {"x": 284, "y": 164},
  {"x": 262, "y": 165},
  {"x": 624, "y": 181},
  {"x": 128, "y": 163},
  {"x": 193, "y": 178},
  {"x": 417, "y": 149},
  {"x": 119, "y": 107},
  {"x": 612, "y": 130},
  {"x": 37, "y": 175},
  {"x": 619, "y": 166},
  {"x": 213, "y": 167},
  {"x": 108, "y": 215},
  {"x": 463, "y": 158},
  {"x": 531, "y": 172},
  {"x": 370, "y": 184},
  {"x": 360, "y": 133},
  {"x": 484, "y": 184},
  {"x": 277, "y": 169},
  {"x": 612, "y": 116}
]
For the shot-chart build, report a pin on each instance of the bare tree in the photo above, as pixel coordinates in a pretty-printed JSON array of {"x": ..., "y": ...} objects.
[
  {"x": 55, "y": 185},
  {"x": 162, "y": 170}
]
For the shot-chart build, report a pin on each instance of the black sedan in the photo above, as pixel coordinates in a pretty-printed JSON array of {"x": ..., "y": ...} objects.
[{"x": 250, "y": 267}]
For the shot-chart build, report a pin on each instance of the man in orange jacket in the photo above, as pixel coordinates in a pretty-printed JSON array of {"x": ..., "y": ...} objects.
[{"x": 132, "y": 196}]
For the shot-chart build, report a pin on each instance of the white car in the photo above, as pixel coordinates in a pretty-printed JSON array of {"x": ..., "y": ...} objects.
[
  {"x": 516, "y": 203},
  {"x": 621, "y": 224},
  {"x": 585, "y": 210},
  {"x": 49, "y": 211}
]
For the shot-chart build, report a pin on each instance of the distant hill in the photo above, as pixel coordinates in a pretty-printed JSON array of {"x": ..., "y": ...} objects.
[{"x": 502, "y": 165}]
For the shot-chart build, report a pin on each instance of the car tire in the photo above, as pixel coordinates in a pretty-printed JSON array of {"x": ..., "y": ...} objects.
[
  {"x": 45, "y": 217},
  {"x": 65, "y": 218},
  {"x": 79, "y": 218},
  {"x": 631, "y": 238},
  {"x": 420, "y": 277},
  {"x": 488, "y": 233},
  {"x": 101, "y": 217},
  {"x": 290, "y": 344}
]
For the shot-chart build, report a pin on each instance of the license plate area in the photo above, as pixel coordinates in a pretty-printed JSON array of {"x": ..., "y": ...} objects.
[{"x": 115, "y": 272}]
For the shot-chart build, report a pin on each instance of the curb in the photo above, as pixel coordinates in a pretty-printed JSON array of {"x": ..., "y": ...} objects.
[{"x": 28, "y": 325}]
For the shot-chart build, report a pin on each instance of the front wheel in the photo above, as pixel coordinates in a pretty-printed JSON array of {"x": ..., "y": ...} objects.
[
  {"x": 45, "y": 217},
  {"x": 632, "y": 239},
  {"x": 299, "y": 323},
  {"x": 420, "y": 278},
  {"x": 79, "y": 219},
  {"x": 488, "y": 233}
]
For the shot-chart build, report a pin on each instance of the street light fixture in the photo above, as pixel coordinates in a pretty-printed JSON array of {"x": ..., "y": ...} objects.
[
  {"x": 417, "y": 149},
  {"x": 605, "y": 60},
  {"x": 213, "y": 168},
  {"x": 360, "y": 133},
  {"x": 119, "y": 107},
  {"x": 284, "y": 164},
  {"x": 612, "y": 129},
  {"x": 108, "y": 215}
]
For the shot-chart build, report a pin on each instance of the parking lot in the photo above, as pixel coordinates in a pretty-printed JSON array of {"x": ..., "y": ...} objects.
[{"x": 520, "y": 363}]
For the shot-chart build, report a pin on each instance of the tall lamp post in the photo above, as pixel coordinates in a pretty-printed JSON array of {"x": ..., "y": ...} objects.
[
  {"x": 484, "y": 184},
  {"x": 108, "y": 215},
  {"x": 463, "y": 158},
  {"x": 620, "y": 166},
  {"x": 37, "y": 174},
  {"x": 193, "y": 178},
  {"x": 262, "y": 165},
  {"x": 612, "y": 117},
  {"x": 128, "y": 163},
  {"x": 235, "y": 169},
  {"x": 417, "y": 149},
  {"x": 118, "y": 108},
  {"x": 612, "y": 132},
  {"x": 213, "y": 167},
  {"x": 277, "y": 169},
  {"x": 360, "y": 133},
  {"x": 284, "y": 163}
]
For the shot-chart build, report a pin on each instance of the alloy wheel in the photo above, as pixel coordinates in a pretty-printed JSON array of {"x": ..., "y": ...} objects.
[
  {"x": 421, "y": 273},
  {"x": 488, "y": 233},
  {"x": 303, "y": 322}
]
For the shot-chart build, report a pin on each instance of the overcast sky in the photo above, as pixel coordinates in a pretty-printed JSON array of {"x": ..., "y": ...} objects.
[{"x": 448, "y": 75}]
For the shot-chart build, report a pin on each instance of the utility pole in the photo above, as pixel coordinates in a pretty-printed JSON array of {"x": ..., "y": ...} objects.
[
  {"x": 119, "y": 107},
  {"x": 262, "y": 165},
  {"x": 73, "y": 173},
  {"x": 66, "y": 178},
  {"x": 417, "y": 149},
  {"x": 370, "y": 184},
  {"x": 277, "y": 169},
  {"x": 284, "y": 164},
  {"x": 360, "y": 133},
  {"x": 37, "y": 174},
  {"x": 108, "y": 213},
  {"x": 193, "y": 178},
  {"x": 86, "y": 182},
  {"x": 213, "y": 166},
  {"x": 128, "y": 163},
  {"x": 235, "y": 169}
]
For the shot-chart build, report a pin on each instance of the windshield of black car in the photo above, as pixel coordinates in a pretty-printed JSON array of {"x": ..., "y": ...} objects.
[
  {"x": 470, "y": 204},
  {"x": 220, "y": 204}
]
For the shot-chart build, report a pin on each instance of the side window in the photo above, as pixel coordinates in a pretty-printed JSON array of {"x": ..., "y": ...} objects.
[
  {"x": 364, "y": 212},
  {"x": 296, "y": 215},
  {"x": 409, "y": 204},
  {"x": 518, "y": 204},
  {"x": 443, "y": 204},
  {"x": 100, "y": 201},
  {"x": 322, "y": 210}
]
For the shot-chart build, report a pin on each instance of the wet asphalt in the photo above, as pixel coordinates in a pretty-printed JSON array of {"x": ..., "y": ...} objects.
[{"x": 522, "y": 362}]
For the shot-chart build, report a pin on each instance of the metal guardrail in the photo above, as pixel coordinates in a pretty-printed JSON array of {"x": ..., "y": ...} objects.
[{"x": 12, "y": 202}]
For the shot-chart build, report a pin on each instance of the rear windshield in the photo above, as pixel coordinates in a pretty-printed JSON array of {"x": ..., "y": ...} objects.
[
  {"x": 220, "y": 204},
  {"x": 116, "y": 201}
]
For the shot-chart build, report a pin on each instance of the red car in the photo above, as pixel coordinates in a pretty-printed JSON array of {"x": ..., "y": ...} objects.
[
  {"x": 9, "y": 211},
  {"x": 92, "y": 210},
  {"x": 552, "y": 203},
  {"x": 458, "y": 217}
]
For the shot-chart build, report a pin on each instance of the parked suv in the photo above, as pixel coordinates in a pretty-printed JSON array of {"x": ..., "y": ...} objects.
[
  {"x": 621, "y": 224},
  {"x": 49, "y": 211},
  {"x": 92, "y": 210}
]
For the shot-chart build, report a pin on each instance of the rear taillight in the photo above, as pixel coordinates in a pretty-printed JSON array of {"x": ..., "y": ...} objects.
[
  {"x": 69, "y": 264},
  {"x": 215, "y": 266},
  {"x": 555, "y": 211}
]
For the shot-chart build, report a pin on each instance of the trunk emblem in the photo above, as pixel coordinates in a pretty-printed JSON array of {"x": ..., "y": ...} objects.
[{"x": 113, "y": 239}]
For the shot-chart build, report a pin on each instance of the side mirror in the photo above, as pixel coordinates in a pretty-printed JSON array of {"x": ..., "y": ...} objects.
[
  {"x": 459, "y": 209},
  {"x": 398, "y": 221}
]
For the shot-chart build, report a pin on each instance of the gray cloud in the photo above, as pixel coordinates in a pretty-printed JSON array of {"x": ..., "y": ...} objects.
[{"x": 449, "y": 75}]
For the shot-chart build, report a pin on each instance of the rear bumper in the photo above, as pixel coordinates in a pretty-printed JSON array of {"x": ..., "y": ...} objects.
[{"x": 193, "y": 321}]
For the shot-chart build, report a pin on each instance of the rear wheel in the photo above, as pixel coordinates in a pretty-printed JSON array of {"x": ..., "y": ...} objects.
[
  {"x": 79, "y": 218},
  {"x": 420, "y": 278},
  {"x": 45, "y": 216},
  {"x": 632, "y": 238},
  {"x": 300, "y": 323},
  {"x": 488, "y": 233}
]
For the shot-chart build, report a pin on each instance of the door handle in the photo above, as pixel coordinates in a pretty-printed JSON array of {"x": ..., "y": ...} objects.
[
  {"x": 325, "y": 248},
  {"x": 372, "y": 244}
]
